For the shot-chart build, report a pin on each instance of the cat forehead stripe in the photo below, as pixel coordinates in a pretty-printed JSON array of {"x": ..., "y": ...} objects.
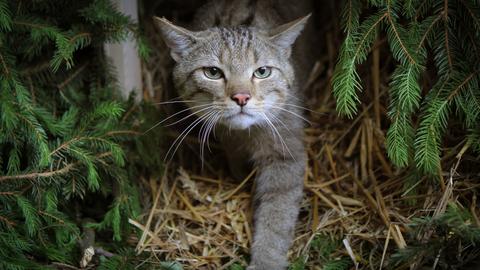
[{"x": 237, "y": 37}]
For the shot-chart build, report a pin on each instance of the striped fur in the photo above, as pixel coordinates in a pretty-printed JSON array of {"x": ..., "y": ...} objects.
[{"x": 238, "y": 37}]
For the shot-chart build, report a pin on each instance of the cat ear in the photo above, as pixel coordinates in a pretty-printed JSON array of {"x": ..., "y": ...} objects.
[
  {"x": 285, "y": 35},
  {"x": 177, "y": 38}
]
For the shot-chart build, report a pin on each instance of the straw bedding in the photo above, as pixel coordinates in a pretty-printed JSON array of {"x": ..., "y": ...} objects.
[{"x": 202, "y": 218}]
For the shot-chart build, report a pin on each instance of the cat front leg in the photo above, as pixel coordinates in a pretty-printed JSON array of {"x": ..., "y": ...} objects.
[{"x": 278, "y": 193}]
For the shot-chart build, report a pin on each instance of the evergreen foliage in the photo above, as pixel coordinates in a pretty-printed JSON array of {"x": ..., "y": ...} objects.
[
  {"x": 434, "y": 36},
  {"x": 449, "y": 241},
  {"x": 324, "y": 252},
  {"x": 67, "y": 146},
  {"x": 64, "y": 136}
]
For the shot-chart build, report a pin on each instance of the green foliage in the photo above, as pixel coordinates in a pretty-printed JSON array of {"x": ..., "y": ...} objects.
[
  {"x": 340, "y": 264},
  {"x": 298, "y": 264},
  {"x": 445, "y": 33},
  {"x": 129, "y": 260},
  {"x": 324, "y": 252},
  {"x": 64, "y": 136},
  {"x": 236, "y": 266},
  {"x": 434, "y": 239}
]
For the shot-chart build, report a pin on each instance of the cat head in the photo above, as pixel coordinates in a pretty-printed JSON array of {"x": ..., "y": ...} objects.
[{"x": 237, "y": 76}]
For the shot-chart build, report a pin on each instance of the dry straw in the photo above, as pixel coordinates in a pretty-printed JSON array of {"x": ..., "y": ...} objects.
[{"x": 202, "y": 219}]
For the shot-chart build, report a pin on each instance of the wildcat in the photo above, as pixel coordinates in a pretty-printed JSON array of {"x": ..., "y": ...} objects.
[{"x": 237, "y": 68}]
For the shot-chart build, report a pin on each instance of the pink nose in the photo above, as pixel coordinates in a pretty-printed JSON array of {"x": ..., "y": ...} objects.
[{"x": 241, "y": 98}]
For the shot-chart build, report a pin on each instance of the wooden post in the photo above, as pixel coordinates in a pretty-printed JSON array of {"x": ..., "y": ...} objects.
[{"x": 124, "y": 55}]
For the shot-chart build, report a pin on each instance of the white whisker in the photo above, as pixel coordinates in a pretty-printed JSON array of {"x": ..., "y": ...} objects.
[
  {"x": 269, "y": 125},
  {"x": 173, "y": 115},
  {"x": 281, "y": 122},
  {"x": 212, "y": 127},
  {"x": 280, "y": 137},
  {"x": 300, "y": 107},
  {"x": 202, "y": 135},
  {"x": 184, "y": 134},
  {"x": 292, "y": 113},
  {"x": 190, "y": 115}
]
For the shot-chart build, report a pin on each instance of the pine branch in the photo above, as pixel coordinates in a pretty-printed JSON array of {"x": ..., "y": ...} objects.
[
  {"x": 77, "y": 139},
  {"x": 61, "y": 221},
  {"x": 40, "y": 135},
  {"x": 67, "y": 168},
  {"x": 4, "y": 65},
  {"x": 405, "y": 95},
  {"x": 447, "y": 47},
  {"x": 399, "y": 137},
  {"x": 78, "y": 36},
  {"x": 35, "y": 68},
  {"x": 32, "y": 220},
  {"x": 346, "y": 81},
  {"x": 366, "y": 34},
  {"x": 424, "y": 5},
  {"x": 409, "y": 8},
  {"x": 433, "y": 124},
  {"x": 69, "y": 79},
  {"x": 350, "y": 15},
  {"x": 35, "y": 175},
  {"x": 5, "y": 16},
  {"x": 427, "y": 32},
  {"x": 119, "y": 132},
  {"x": 33, "y": 25},
  {"x": 472, "y": 13},
  {"x": 397, "y": 35},
  {"x": 80, "y": 123},
  {"x": 461, "y": 85},
  {"x": 7, "y": 221},
  {"x": 445, "y": 23}
]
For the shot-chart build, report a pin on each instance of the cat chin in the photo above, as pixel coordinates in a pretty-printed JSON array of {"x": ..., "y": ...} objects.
[{"x": 240, "y": 121}]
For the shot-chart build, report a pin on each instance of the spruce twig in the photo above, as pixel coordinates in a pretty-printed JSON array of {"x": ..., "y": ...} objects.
[{"x": 67, "y": 168}]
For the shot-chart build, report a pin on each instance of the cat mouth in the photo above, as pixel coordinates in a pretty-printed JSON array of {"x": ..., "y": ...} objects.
[
  {"x": 241, "y": 113},
  {"x": 239, "y": 120}
]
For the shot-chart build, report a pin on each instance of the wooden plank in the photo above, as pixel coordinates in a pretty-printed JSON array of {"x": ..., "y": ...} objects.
[{"x": 124, "y": 55}]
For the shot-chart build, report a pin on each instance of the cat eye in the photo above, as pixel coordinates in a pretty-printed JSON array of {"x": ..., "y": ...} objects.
[
  {"x": 262, "y": 72},
  {"x": 213, "y": 73}
]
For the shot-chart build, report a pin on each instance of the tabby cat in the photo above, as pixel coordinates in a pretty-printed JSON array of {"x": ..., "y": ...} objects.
[{"x": 237, "y": 68}]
